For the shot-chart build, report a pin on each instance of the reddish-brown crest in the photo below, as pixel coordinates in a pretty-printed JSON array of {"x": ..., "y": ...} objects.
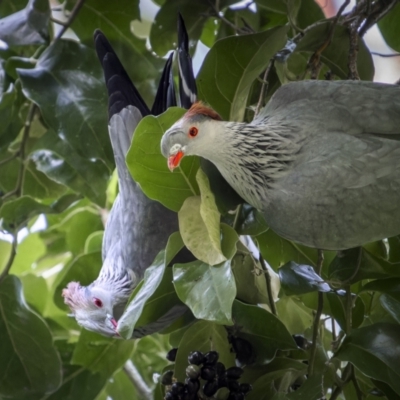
[{"x": 199, "y": 108}]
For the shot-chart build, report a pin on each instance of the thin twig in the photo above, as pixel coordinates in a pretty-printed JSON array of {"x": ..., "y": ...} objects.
[
  {"x": 353, "y": 52},
  {"x": 216, "y": 13},
  {"x": 359, "y": 393},
  {"x": 21, "y": 153},
  {"x": 349, "y": 309},
  {"x": 237, "y": 215},
  {"x": 264, "y": 87},
  {"x": 78, "y": 5},
  {"x": 140, "y": 385},
  {"x": 385, "y": 55},
  {"x": 314, "y": 63},
  {"x": 269, "y": 286},
  {"x": 10, "y": 261},
  {"x": 346, "y": 377},
  {"x": 317, "y": 318}
]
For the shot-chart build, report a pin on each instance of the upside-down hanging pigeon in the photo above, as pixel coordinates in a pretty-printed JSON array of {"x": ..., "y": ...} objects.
[
  {"x": 321, "y": 160},
  {"x": 137, "y": 227}
]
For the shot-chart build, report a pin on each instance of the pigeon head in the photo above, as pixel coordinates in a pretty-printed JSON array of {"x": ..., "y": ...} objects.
[
  {"x": 92, "y": 307},
  {"x": 192, "y": 135}
]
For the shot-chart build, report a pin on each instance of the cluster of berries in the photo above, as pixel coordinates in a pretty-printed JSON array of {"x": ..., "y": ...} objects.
[{"x": 205, "y": 375}]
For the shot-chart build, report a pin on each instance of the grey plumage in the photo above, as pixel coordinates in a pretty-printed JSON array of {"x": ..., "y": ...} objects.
[
  {"x": 137, "y": 227},
  {"x": 321, "y": 160}
]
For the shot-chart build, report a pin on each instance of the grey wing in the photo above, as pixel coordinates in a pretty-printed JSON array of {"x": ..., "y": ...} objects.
[
  {"x": 137, "y": 228},
  {"x": 339, "y": 193},
  {"x": 354, "y": 107}
]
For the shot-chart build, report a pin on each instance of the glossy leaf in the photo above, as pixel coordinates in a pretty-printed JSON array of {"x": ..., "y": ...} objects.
[
  {"x": 57, "y": 159},
  {"x": 336, "y": 53},
  {"x": 30, "y": 363},
  {"x": 196, "y": 235},
  {"x": 27, "y": 26},
  {"x": 338, "y": 309},
  {"x": 207, "y": 290},
  {"x": 17, "y": 212},
  {"x": 100, "y": 354},
  {"x": 356, "y": 264},
  {"x": 300, "y": 279},
  {"x": 74, "y": 82},
  {"x": 149, "y": 168},
  {"x": 245, "y": 57},
  {"x": 388, "y": 25},
  {"x": 375, "y": 351},
  {"x": 390, "y": 298},
  {"x": 263, "y": 330}
]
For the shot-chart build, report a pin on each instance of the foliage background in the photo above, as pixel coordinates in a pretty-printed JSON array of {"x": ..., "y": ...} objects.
[{"x": 56, "y": 167}]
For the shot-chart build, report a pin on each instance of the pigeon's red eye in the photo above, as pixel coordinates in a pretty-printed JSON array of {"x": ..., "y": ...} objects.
[
  {"x": 97, "y": 302},
  {"x": 193, "y": 131}
]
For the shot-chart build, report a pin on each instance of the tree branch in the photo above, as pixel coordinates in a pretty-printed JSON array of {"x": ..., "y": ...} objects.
[
  {"x": 78, "y": 5},
  {"x": 317, "y": 318},
  {"x": 11, "y": 258},
  {"x": 140, "y": 385},
  {"x": 21, "y": 153},
  {"x": 264, "y": 87}
]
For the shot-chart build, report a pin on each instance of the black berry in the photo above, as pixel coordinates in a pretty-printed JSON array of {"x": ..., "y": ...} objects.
[
  {"x": 210, "y": 388},
  {"x": 233, "y": 385},
  {"x": 166, "y": 378},
  {"x": 245, "y": 388},
  {"x": 234, "y": 372},
  {"x": 208, "y": 373},
  {"x": 196, "y": 358},
  {"x": 220, "y": 369},
  {"x": 177, "y": 388},
  {"x": 211, "y": 358},
  {"x": 171, "y": 355},
  {"x": 193, "y": 385}
]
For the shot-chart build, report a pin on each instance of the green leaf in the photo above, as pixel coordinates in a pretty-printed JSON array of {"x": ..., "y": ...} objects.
[
  {"x": 79, "y": 383},
  {"x": 36, "y": 292},
  {"x": 335, "y": 56},
  {"x": 300, "y": 279},
  {"x": 337, "y": 306},
  {"x": 263, "y": 330},
  {"x": 225, "y": 197},
  {"x": 17, "y": 212},
  {"x": 27, "y": 26},
  {"x": 196, "y": 235},
  {"x": 388, "y": 26},
  {"x": 249, "y": 277},
  {"x": 163, "y": 35},
  {"x": 375, "y": 351},
  {"x": 57, "y": 159},
  {"x": 309, "y": 13},
  {"x": 148, "y": 166},
  {"x": 390, "y": 298},
  {"x": 11, "y": 125},
  {"x": 101, "y": 354},
  {"x": 30, "y": 363},
  {"x": 207, "y": 290},
  {"x": 151, "y": 299},
  {"x": 245, "y": 57},
  {"x": 102, "y": 14},
  {"x": 357, "y": 264},
  {"x": 28, "y": 251},
  {"x": 74, "y": 85},
  {"x": 202, "y": 336},
  {"x": 311, "y": 389}
]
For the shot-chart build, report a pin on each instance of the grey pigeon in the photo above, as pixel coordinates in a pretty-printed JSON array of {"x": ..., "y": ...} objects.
[
  {"x": 321, "y": 160},
  {"x": 137, "y": 227}
]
